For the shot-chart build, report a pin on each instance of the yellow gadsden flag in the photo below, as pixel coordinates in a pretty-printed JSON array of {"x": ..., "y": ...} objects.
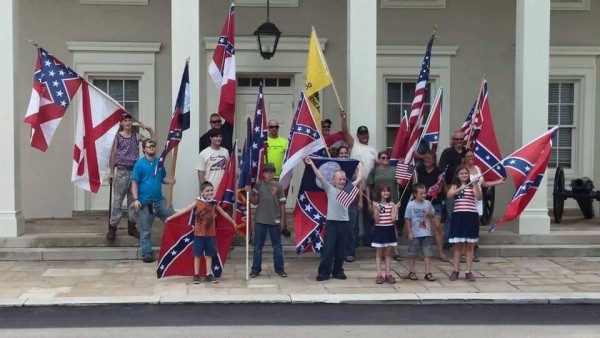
[{"x": 317, "y": 75}]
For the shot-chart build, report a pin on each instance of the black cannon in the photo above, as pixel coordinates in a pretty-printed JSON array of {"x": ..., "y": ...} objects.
[{"x": 582, "y": 190}]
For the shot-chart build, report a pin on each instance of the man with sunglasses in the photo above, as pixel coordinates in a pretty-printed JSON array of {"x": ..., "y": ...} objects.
[
  {"x": 226, "y": 132},
  {"x": 339, "y": 138},
  {"x": 276, "y": 147},
  {"x": 451, "y": 157},
  {"x": 146, "y": 188}
]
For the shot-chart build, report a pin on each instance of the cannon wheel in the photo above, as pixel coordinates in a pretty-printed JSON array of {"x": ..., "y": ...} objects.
[
  {"x": 489, "y": 199},
  {"x": 558, "y": 199}
]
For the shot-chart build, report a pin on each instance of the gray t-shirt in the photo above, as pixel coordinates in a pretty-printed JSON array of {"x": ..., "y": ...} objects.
[
  {"x": 415, "y": 212},
  {"x": 335, "y": 211},
  {"x": 270, "y": 197}
]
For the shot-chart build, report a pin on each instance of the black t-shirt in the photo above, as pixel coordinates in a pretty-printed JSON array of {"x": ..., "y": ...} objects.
[
  {"x": 452, "y": 159},
  {"x": 429, "y": 179},
  {"x": 227, "y": 133}
]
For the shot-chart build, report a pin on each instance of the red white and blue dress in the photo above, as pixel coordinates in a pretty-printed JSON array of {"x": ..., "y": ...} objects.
[
  {"x": 383, "y": 232},
  {"x": 464, "y": 223}
]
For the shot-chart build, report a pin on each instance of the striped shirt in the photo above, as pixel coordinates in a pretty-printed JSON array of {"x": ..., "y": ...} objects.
[
  {"x": 465, "y": 200},
  {"x": 385, "y": 214}
]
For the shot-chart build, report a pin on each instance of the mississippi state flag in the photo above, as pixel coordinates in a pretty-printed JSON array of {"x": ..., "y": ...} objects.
[
  {"x": 180, "y": 119},
  {"x": 485, "y": 145},
  {"x": 54, "y": 86},
  {"x": 176, "y": 257},
  {"x": 528, "y": 186},
  {"x": 304, "y": 140},
  {"x": 98, "y": 120},
  {"x": 222, "y": 67},
  {"x": 310, "y": 211}
]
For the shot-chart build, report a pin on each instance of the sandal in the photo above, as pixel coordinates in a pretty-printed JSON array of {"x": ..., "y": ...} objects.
[
  {"x": 475, "y": 259},
  {"x": 411, "y": 276},
  {"x": 429, "y": 277}
]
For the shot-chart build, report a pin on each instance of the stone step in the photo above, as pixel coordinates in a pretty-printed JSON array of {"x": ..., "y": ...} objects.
[{"x": 129, "y": 253}]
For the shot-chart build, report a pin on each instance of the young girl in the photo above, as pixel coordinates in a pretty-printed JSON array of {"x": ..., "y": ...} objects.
[
  {"x": 384, "y": 235},
  {"x": 204, "y": 230},
  {"x": 464, "y": 223}
]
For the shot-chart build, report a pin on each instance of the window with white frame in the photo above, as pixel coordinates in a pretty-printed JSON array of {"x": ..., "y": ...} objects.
[
  {"x": 562, "y": 112},
  {"x": 124, "y": 90},
  {"x": 399, "y": 96}
]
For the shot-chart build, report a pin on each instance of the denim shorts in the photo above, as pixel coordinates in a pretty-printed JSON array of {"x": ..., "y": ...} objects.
[
  {"x": 420, "y": 246},
  {"x": 204, "y": 246},
  {"x": 438, "y": 210}
]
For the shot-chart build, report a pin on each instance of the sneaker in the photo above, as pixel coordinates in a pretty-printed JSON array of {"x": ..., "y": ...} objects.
[
  {"x": 475, "y": 259},
  {"x": 390, "y": 279},
  {"x": 254, "y": 274},
  {"x": 211, "y": 278},
  {"x": 341, "y": 276},
  {"x": 148, "y": 259},
  {"x": 379, "y": 280},
  {"x": 281, "y": 273},
  {"x": 454, "y": 276},
  {"x": 350, "y": 259},
  {"x": 321, "y": 278},
  {"x": 469, "y": 277},
  {"x": 196, "y": 279}
]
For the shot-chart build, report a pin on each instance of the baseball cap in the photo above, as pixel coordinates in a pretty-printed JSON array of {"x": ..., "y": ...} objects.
[
  {"x": 362, "y": 130},
  {"x": 125, "y": 116},
  {"x": 213, "y": 132},
  {"x": 268, "y": 167},
  {"x": 326, "y": 121}
]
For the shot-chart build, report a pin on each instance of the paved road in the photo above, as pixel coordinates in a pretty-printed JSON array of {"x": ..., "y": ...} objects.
[{"x": 296, "y": 320}]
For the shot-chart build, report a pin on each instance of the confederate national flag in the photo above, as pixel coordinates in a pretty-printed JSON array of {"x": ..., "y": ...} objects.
[
  {"x": 54, "y": 86},
  {"x": 311, "y": 204},
  {"x": 98, "y": 120},
  {"x": 222, "y": 67},
  {"x": 176, "y": 257}
]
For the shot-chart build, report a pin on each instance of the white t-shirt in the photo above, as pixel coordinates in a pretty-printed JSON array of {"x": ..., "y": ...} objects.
[
  {"x": 367, "y": 155},
  {"x": 213, "y": 162}
]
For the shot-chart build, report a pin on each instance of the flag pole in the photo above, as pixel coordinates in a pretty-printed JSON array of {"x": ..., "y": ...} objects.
[
  {"x": 474, "y": 117},
  {"x": 247, "y": 234},
  {"x": 172, "y": 171},
  {"x": 337, "y": 96}
]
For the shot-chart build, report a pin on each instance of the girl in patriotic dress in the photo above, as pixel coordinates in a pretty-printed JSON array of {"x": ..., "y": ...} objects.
[
  {"x": 464, "y": 223},
  {"x": 384, "y": 236}
]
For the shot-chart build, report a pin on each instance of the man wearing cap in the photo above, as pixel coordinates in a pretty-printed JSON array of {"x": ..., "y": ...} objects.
[
  {"x": 269, "y": 198},
  {"x": 367, "y": 154},
  {"x": 146, "y": 188},
  {"x": 276, "y": 147},
  {"x": 226, "y": 132},
  {"x": 339, "y": 138},
  {"x": 124, "y": 153},
  {"x": 212, "y": 160}
]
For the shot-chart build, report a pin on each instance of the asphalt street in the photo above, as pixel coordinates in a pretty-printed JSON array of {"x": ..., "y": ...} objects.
[{"x": 264, "y": 320}]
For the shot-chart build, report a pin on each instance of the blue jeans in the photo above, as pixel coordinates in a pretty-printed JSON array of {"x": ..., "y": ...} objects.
[
  {"x": 336, "y": 239},
  {"x": 146, "y": 219},
  {"x": 261, "y": 231},
  {"x": 353, "y": 233},
  {"x": 449, "y": 210}
]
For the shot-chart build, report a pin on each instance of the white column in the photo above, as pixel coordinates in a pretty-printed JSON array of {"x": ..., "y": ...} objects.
[
  {"x": 362, "y": 67},
  {"x": 185, "y": 43},
  {"x": 531, "y": 97},
  {"x": 11, "y": 215}
]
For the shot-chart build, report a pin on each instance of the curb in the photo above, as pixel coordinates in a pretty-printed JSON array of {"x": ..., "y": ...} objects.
[{"x": 572, "y": 298}]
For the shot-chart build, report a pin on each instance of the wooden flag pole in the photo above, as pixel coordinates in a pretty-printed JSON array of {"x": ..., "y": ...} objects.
[
  {"x": 247, "y": 234},
  {"x": 477, "y": 103},
  {"x": 172, "y": 171}
]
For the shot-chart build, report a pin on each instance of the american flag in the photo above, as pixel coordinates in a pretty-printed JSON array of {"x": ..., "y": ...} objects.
[
  {"x": 54, "y": 86},
  {"x": 222, "y": 67},
  {"x": 404, "y": 172},
  {"x": 473, "y": 122},
  {"x": 435, "y": 189},
  {"x": 347, "y": 195},
  {"x": 180, "y": 119},
  {"x": 259, "y": 138}
]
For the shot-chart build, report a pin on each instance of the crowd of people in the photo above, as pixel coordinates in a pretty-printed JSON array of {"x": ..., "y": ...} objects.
[{"x": 384, "y": 211}]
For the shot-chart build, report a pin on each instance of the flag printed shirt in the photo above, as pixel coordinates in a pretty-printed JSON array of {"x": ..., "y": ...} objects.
[
  {"x": 415, "y": 212},
  {"x": 465, "y": 201},
  {"x": 385, "y": 214},
  {"x": 206, "y": 213}
]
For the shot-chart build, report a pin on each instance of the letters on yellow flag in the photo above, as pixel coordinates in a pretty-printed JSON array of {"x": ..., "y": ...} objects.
[{"x": 317, "y": 74}]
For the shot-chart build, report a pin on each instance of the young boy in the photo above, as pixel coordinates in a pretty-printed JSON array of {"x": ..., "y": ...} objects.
[
  {"x": 204, "y": 229},
  {"x": 418, "y": 216},
  {"x": 269, "y": 198},
  {"x": 124, "y": 153}
]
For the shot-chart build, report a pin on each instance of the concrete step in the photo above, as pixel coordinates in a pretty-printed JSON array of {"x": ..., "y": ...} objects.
[{"x": 130, "y": 253}]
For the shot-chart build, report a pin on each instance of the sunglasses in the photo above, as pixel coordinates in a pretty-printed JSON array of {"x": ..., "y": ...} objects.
[
  {"x": 215, "y": 121},
  {"x": 326, "y": 127},
  {"x": 457, "y": 139},
  {"x": 384, "y": 158},
  {"x": 150, "y": 146},
  {"x": 273, "y": 127}
]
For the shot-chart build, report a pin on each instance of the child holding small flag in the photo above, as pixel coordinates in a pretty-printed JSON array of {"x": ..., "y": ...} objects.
[
  {"x": 384, "y": 236},
  {"x": 418, "y": 215},
  {"x": 206, "y": 209}
]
